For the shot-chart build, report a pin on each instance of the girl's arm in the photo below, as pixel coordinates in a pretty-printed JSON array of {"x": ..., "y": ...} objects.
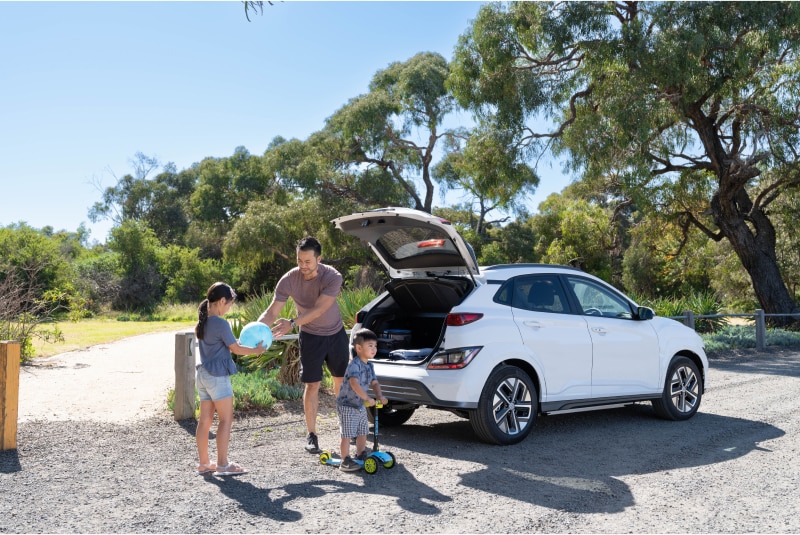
[{"x": 242, "y": 350}]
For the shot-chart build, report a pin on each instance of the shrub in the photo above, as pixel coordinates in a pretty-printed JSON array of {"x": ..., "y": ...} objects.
[{"x": 744, "y": 337}]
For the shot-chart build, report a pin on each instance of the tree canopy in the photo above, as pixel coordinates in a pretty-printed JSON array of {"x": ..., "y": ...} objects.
[{"x": 690, "y": 106}]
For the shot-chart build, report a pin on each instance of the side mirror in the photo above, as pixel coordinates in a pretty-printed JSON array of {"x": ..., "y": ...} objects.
[{"x": 645, "y": 313}]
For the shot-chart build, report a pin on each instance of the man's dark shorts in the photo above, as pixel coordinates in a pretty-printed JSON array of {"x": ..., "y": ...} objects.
[{"x": 333, "y": 350}]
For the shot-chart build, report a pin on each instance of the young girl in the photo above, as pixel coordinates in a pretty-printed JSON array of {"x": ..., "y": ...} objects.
[{"x": 216, "y": 342}]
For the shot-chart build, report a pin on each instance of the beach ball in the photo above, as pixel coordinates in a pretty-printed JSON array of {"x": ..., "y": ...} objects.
[{"x": 255, "y": 332}]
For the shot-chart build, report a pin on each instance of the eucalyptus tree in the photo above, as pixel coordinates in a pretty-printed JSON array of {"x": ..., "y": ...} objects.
[
  {"x": 496, "y": 177},
  {"x": 397, "y": 125},
  {"x": 130, "y": 196},
  {"x": 161, "y": 201},
  {"x": 688, "y": 103}
]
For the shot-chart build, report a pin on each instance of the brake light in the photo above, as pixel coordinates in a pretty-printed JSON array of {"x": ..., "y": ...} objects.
[
  {"x": 454, "y": 359},
  {"x": 463, "y": 318},
  {"x": 430, "y": 243}
]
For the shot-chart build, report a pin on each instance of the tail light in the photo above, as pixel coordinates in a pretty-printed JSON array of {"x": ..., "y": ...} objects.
[
  {"x": 453, "y": 359},
  {"x": 463, "y": 318}
]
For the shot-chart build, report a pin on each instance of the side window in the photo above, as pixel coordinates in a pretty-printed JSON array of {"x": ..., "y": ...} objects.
[
  {"x": 539, "y": 294},
  {"x": 596, "y": 300}
]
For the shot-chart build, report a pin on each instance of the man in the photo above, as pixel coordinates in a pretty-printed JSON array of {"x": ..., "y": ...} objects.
[{"x": 314, "y": 288}]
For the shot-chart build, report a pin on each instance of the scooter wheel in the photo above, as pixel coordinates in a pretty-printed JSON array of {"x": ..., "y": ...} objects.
[
  {"x": 324, "y": 457},
  {"x": 370, "y": 465},
  {"x": 391, "y": 462}
]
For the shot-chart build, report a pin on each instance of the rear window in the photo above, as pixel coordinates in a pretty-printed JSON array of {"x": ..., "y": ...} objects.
[{"x": 408, "y": 243}]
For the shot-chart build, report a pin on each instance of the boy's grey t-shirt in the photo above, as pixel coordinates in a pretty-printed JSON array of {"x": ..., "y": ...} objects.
[
  {"x": 365, "y": 373},
  {"x": 305, "y": 294},
  {"x": 214, "y": 354}
]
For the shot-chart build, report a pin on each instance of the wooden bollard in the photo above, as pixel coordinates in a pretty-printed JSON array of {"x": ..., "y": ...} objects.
[
  {"x": 9, "y": 394},
  {"x": 184, "y": 376}
]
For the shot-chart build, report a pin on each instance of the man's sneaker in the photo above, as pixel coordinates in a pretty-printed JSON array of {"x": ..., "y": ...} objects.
[
  {"x": 312, "y": 444},
  {"x": 349, "y": 465}
]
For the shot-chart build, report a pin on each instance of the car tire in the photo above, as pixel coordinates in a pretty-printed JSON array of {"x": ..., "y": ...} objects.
[
  {"x": 683, "y": 390},
  {"x": 507, "y": 407},
  {"x": 390, "y": 417}
]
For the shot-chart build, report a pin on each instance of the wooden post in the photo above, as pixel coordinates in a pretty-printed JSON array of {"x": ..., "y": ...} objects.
[
  {"x": 184, "y": 376},
  {"x": 689, "y": 322},
  {"x": 9, "y": 394},
  {"x": 761, "y": 330}
]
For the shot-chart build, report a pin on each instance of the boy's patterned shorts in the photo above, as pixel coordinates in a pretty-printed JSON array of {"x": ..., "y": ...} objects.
[{"x": 352, "y": 421}]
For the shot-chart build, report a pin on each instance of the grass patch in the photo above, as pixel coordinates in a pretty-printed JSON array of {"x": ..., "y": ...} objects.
[{"x": 92, "y": 331}]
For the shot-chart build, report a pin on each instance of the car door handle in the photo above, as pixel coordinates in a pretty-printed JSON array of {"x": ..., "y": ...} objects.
[
  {"x": 599, "y": 330},
  {"x": 533, "y": 324}
]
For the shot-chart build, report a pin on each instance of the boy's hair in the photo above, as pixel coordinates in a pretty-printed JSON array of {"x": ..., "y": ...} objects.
[{"x": 364, "y": 335}]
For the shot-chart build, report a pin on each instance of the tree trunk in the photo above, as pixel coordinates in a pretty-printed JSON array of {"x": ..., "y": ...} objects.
[{"x": 754, "y": 244}]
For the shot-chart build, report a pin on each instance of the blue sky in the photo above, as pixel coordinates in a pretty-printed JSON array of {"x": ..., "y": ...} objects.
[{"x": 84, "y": 86}]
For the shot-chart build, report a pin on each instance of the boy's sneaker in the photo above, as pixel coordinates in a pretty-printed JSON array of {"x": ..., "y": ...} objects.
[
  {"x": 363, "y": 455},
  {"x": 349, "y": 465},
  {"x": 312, "y": 444}
]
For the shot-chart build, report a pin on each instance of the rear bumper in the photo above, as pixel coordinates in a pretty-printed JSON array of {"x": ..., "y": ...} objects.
[{"x": 410, "y": 391}]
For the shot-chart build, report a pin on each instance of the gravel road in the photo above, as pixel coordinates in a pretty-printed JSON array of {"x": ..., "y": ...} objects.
[{"x": 733, "y": 468}]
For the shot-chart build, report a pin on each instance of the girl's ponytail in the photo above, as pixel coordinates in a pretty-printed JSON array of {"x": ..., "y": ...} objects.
[{"x": 202, "y": 316}]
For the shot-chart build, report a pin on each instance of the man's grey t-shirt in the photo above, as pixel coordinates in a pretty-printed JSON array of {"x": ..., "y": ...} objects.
[
  {"x": 305, "y": 294},
  {"x": 215, "y": 356}
]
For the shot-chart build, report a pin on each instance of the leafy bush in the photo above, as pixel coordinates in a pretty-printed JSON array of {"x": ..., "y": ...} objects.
[
  {"x": 701, "y": 303},
  {"x": 256, "y": 390},
  {"x": 744, "y": 337}
]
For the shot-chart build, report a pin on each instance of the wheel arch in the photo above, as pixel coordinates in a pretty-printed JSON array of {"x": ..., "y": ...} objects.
[
  {"x": 528, "y": 368},
  {"x": 694, "y": 357}
]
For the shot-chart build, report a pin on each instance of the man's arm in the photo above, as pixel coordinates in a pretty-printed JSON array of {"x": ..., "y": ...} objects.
[{"x": 269, "y": 316}]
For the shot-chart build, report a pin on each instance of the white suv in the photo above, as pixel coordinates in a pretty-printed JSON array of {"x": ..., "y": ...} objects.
[{"x": 501, "y": 344}]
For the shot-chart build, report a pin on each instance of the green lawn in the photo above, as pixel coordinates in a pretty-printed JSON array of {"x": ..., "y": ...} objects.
[{"x": 88, "y": 332}]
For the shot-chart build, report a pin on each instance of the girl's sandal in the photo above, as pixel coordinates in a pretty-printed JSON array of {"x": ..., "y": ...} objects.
[
  {"x": 205, "y": 469},
  {"x": 232, "y": 469}
]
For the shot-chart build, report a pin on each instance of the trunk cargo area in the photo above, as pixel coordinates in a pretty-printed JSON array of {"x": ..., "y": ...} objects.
[{"x": 410, "y": 321}]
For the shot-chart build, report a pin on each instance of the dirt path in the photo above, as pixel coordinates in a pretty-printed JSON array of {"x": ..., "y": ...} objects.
[{"x": 116, "y": 382}]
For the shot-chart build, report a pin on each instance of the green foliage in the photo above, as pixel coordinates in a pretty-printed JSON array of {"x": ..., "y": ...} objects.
[
  {"x": 744, "y": 337},
  {"x": 351, "y": 301},
  {"x": 700, "y": 303},
  {"x": 186, "y": 276},
  {"x": 138, "y": 262},
  {"x": 252, "y": 391},
  {"x": 574, "y": 232},
  {"x": 648, "y": 96}
]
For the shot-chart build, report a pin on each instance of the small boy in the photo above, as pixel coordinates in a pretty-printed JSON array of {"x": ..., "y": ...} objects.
[{"x": 358, "y": 378}]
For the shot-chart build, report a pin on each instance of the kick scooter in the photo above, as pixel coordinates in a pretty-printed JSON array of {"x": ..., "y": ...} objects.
[{"x": 374, "y": 459}]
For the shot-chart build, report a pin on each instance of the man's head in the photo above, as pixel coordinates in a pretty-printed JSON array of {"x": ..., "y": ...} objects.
[
  {"x": 310, "y": 243},
  {"x": 309, "y": 254}
]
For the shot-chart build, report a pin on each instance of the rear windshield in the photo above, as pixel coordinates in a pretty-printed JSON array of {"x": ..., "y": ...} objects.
[{"x": 409, "y": 243}]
